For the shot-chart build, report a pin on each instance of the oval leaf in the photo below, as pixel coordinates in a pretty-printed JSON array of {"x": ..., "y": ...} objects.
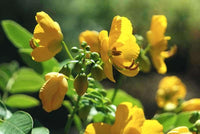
[
  {"x": 19, "y": 123},
  {"x": 18, "y": 35},
  {"x": 167, "y": 120},
  {"x": 122, "y": 97},
  {"x": 26, "y": 80},
  {"x": 21, "y": 101}
]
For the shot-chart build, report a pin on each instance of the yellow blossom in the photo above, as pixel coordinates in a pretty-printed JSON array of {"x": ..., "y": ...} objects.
[
  {"x": 53, "y": 91},
  {"x": 128, "y": 120},
  {"x": 191, "y": 105},
  {"x": 47, "y": 38},
  {"x": 180, "y": 130},
  {"x": 119, "y": 48},
  {"x": 92, "y": 39},
  {"x": 170, "y": 90},
  {"x": 158, "y": 43}
]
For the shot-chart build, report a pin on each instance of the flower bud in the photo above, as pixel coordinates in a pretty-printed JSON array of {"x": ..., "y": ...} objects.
[
  {"x": 77, "y": 67},
  {"x": 83, "y": 44},
  {"x": 94, "y": 56},
  {"x": 81, "y": 84},
  {"x": 53, "y": 91},
  {"x": 97, "y": 72},
  {"x": 74, "y": 49}
]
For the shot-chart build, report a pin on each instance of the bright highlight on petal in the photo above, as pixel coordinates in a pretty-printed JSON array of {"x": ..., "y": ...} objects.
[
  {"x": 158, "y": 42},
  {"x": 53, "y": 91},
  {"x": 129, "y": 120},
  {"x": 119, "y": 48},
  {"x": 170, "y": 90},
  {"x": 47, "y": 38}
]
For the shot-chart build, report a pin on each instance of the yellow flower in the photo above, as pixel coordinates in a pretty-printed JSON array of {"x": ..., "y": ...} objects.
[
  {"x": 92, "y": 39},
  {"x": 191, "y": 105},
  {"x": 170, "y": 90},
  {"x": 47, "y": 38},
  {"x": 119, "y": 48},
  {"x": 158, "y": 43},
  {"x": 180, "y": 130},
  {"x": 53, "y": 91},
  {"x": 129, "y": 120}
]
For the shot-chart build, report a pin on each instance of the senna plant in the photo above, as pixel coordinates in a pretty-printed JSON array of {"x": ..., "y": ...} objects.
[{"x": 75, "y": 82}]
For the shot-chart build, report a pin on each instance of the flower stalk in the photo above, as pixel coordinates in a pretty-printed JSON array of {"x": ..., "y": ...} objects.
[
  {"x": 71, "y": 116},
  {"x": 67, "y": 50}
]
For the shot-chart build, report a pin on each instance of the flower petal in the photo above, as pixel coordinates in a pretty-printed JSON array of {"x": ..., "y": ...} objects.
[
  {"x": 152, "y": 127},
  {"x": 157, "y": 29},
  {"x": 98, "y": 128},
  {"x": 40, "y": 54},
  {"x": 191, "y": 105},
  {"x": 53, "y": 91},
  {"x": 107, "y": 68},
  {"x": 158, "y": 62},
  {"x": 126, "y": 116},
  {"x": 170, "y": 90},
  {"x": 129, "y": 73},
  {"x": 171, "y": 52},
  {"x": 120, "y": 31},
  {"x": 92, "y": 39},
  {"x": 103, "y": 37}
]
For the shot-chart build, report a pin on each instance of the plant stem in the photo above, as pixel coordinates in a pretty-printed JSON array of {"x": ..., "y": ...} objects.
[
  {"x": 118, "y": 84},
  {"x": 147, "y": 49},
  {"x": 67, "y": 50},
  {"x": 71, "y": 116}
]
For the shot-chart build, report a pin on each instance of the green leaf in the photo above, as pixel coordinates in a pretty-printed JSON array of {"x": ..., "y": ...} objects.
[
  {"x": 172, "y": 120},
  {"x": 167, "y": 120},
  {"x": 21, "y": 101},
  {"x": 19, "y": 123},
  {"x": 18, "y": 35},
  {"x": 40, "y": 67},
  {"x": 40, "y": 130},
  {"x": 183, "y": 119},
  {"x": 3, "y": 110},
  {"x": 26, "y": 80},
  {"x": 6, "y": 72},
  {"x": 122, "y": 97}
]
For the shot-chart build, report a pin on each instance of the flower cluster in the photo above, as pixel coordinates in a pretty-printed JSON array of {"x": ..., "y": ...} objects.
[{"x": 99, "y": 52}]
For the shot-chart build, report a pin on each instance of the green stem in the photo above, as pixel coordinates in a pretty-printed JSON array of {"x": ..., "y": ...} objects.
[
  {"x": 71, "y": 116},
  {"x": 118, "y": 84},
  {"x": 67, "y": 50},
  {"x": 147, "y": 49}
]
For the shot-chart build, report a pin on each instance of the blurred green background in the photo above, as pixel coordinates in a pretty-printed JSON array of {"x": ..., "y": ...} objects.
[{"x": 75, "y": 16}]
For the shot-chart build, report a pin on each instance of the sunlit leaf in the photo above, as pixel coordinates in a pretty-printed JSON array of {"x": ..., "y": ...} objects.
[
  {"x": 18, "y": 35},
  {"x": 26, "y": 80},
  {"x": 168, "y": 120},
  {"x": 21, "y": 101},
  {"x": 122, "y": 97}
]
